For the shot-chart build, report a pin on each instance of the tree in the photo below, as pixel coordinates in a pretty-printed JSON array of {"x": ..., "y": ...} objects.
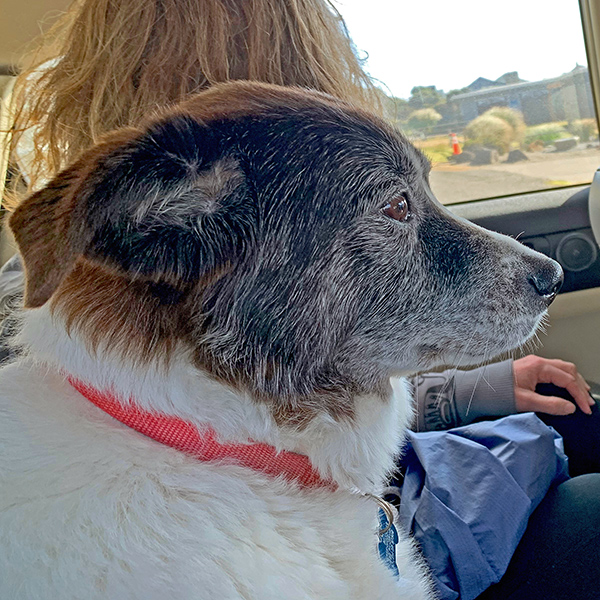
[
  {"x": 425, "y": 96},
  {"x": 424, "y": 119},
  {"x": 397, "y": 109},
  {"x": 453, "y": 93}
]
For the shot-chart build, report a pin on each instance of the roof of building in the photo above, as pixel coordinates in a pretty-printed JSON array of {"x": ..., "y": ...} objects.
[{"x": 498, "y": 87}]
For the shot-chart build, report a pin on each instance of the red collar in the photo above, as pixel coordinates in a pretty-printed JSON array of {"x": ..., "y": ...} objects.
[{"x": 184, "y": 436}]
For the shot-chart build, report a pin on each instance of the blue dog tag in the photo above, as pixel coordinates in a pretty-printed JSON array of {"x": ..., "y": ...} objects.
[{"x": 387, "y": 543}]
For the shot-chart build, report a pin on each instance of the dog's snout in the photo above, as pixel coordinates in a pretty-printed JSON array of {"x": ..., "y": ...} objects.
[{"x": 547, "y": 281}]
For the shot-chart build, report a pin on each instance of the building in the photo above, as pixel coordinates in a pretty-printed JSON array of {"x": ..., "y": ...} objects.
[{"x": 564, "y": 98}]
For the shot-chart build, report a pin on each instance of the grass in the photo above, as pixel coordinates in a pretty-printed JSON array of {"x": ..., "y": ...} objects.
[
  {"x": 437, "y": 149},
  {"x": 546, "y": 133}
]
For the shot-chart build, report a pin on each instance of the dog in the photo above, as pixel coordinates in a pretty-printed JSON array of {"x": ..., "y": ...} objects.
[{"x": 261, "y": 266}]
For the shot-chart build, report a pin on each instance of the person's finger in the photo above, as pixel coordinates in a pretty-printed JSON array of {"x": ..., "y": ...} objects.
[
  {"x": 581, "y": 396},
  {"x": 570, "y": 368},
  {"x": 584, "y": 384},
  {"x": 527, "y": 400},
  {"x": 563, "y": 365},
  {"x": 573, "y": 385}
]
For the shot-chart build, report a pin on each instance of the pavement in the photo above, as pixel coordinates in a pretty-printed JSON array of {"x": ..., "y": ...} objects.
[{"x": 544, "y": 170}]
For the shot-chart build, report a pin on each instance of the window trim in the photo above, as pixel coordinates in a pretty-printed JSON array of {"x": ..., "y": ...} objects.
[{"x": 590, "y": 19}]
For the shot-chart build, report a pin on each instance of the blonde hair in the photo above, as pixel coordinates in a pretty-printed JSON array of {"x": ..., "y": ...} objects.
[{"x": 116, "y": 60}]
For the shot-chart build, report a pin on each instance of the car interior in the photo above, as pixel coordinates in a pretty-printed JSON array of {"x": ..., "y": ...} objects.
[{"x": 556, "y": 212}]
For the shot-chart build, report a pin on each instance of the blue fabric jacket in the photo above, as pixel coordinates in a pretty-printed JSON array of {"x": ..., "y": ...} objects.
[{"x": 468, "y": 492}]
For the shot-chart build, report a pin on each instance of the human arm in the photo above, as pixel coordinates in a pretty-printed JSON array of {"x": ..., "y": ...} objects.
[
  {"x": 454, "y": 398},
  {"x": 11, "y": 291}
]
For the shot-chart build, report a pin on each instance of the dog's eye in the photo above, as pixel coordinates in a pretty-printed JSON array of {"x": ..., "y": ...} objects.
[{"x": 397, "y": 209}]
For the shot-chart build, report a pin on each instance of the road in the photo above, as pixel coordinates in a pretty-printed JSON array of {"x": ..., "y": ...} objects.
[{"x": 543, "y": 170}]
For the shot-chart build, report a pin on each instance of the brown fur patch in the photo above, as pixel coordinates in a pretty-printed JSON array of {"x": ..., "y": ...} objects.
[
  {"x": 296, "y": 412},
  {"x": 123, "y": 314},
  {"x": 243, "y": 98},
  {"x": 42, "y": 223},
  {"x": 300, "y": 413}
]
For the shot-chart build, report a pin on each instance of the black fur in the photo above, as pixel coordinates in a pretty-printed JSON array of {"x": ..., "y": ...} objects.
[{"x": 184, "y": 238}]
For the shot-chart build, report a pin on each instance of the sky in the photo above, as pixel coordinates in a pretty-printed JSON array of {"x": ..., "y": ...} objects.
[{"x": 450, "y": 43}]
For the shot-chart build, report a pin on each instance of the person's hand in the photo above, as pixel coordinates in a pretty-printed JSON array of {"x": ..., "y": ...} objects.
[{"x": 531, "y": 370}]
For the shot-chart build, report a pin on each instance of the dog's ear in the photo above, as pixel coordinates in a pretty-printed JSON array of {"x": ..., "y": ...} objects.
[
  {"x": 40, "y": 225},
  {"x": 164, "y": 205}
]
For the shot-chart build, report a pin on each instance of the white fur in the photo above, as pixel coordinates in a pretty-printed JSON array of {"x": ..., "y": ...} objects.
[{"x": 90, "y": 509}]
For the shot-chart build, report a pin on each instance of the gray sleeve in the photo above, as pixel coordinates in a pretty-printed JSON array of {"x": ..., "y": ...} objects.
[
  {"x": 454, "y": 398},
  {"x": 11, "y": 295},
  {"x": 11, "y": 284}
]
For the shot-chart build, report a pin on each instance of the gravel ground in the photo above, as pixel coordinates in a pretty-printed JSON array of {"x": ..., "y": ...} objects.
[{"x": 543, "y": 170}]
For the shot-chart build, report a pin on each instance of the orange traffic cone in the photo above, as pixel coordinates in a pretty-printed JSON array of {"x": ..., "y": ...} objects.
[{"x": 455, "y": 146}]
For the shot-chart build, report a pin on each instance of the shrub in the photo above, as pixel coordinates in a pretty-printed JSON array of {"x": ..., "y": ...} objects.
[
  {"x": 513, "y": 117},
  {"x": 489, "y": 131},
  {"x": 584, "y": 129},
  {"x": 437, "y": 149},
  {"x": 424, "y": 118},
  {"x": 546, "y": 134}
]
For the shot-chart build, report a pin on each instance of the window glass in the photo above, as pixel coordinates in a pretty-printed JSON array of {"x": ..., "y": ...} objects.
[{"x": 496, "y": 94}]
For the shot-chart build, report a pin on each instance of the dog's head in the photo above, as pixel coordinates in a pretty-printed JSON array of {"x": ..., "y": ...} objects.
[{"x": 289, "y": 241}]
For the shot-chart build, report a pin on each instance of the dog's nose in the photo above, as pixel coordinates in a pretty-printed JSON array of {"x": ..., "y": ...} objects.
[{"x": 547, "y": 281}]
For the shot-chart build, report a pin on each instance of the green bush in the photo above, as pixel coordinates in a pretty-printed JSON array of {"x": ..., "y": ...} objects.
[
  {"x": 423, "y": 119},
  {"x": 489, "y": 131},
  {"x": 546, "y": 133},
  {"x": 437, "y": 149},
  {"x": 513, "y": 117},
  {"x": 584, "y": 129}
]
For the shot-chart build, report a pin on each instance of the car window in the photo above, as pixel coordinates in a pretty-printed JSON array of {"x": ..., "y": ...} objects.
[{"x": 498, "y": 96}]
